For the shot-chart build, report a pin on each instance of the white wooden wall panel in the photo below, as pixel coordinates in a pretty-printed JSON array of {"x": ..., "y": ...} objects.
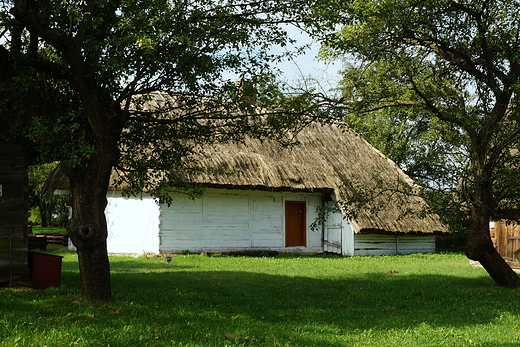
[
  {"x": 373, "y": 244},
  {"x": 225, "y": 220},
  {"x": 267, "y": 220},
  {"x": 338, "y": 235},
  {"x": 133, "y": 224},
  {"x": 234, "y": 219},
  {"x": 416, "y": 244},
  {"x": 347, "y": 242},
  {"x": 332, "y": 236}
]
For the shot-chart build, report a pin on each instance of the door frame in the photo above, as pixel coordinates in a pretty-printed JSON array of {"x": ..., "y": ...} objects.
[{"x": 303, "y": 223}]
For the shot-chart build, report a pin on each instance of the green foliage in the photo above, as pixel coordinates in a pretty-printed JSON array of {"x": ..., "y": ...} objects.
[
  {"x": 48, "y": 210},
  {"x": 322, "y": 213},
  {"x": 393, "y": 119},
  {"x": 427, "y": 300},
  {"x": 52, "y": 230},
  {"x": 139, "y": 86},
  {"x": 434, "y": 85},
  {"x": 184, "y": 53},
  {"x": 34, "y": 217}
]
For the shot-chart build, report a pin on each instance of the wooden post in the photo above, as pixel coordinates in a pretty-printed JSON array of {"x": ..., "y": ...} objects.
[{"x": 14, "y": 267}]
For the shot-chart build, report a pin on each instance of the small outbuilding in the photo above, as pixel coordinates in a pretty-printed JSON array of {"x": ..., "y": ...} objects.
[{"x": 506, "y": 239}]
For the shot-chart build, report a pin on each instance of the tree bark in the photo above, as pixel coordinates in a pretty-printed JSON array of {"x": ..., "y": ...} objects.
[
  {"x": 45, "y": 214},
  {"x": 88, "y": 232},
  {"x": 479, "y": 245},
  {"x": 88, "y": 228},
  {"x": 89, "y": 178}
]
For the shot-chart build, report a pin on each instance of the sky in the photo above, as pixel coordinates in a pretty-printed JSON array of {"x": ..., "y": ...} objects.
[{"x": 308, "y": 65}]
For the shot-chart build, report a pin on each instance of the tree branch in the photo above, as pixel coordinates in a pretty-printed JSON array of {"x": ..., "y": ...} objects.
[
  {"x": 28, "y": 13},
  {"x": 434, "y": 109}
]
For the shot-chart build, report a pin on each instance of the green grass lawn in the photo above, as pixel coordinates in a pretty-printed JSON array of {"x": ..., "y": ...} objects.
[
  {"x": 36, "y": 229},
  {"x": 432, "y": 300}
]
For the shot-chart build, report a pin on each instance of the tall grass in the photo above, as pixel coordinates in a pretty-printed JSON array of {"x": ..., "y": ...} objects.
[{"x": 416, "y": 300}]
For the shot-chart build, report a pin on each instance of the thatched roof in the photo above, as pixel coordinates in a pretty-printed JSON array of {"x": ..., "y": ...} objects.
[
  {"x": 330, "y": 159},
  {"x": 326, "y": 159}
]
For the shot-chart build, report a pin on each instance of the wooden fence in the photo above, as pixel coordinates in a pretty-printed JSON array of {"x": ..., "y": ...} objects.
[
  {"x": 506, "y": 238},
  {"x": 55, "y": 238}
]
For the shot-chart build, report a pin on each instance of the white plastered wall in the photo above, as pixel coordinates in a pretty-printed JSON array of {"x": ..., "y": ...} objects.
[{"x": 133, "y": 224}]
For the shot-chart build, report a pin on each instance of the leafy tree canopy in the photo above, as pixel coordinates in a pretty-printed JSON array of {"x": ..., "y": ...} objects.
[
  {"x": 440, "y": 80},
  {"x": 129, "y": 49},
  {"x": 137, "y": 85}
]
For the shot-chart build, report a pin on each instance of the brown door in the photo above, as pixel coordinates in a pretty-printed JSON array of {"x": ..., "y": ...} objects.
[{"x": 295, "y": 229}]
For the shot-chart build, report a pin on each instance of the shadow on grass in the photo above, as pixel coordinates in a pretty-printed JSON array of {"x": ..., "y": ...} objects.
[
  {"x": 261, "y": 309},
  {"x": 372, "y": 302}
]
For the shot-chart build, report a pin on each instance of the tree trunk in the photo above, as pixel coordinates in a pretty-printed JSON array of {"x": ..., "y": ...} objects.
[
  {"x": 90, "y": 178},
  {"x": 479, "y": 245},
  {"x": 88, "y": 228},
  {"x": 45, "y": 215}
]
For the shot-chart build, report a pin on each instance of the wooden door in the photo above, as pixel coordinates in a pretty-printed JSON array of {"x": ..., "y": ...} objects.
[{"x": 295, "y": 226}]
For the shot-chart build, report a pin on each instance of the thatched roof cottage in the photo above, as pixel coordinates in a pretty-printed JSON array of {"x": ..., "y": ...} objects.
[{"x": 264, "y": 196}]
